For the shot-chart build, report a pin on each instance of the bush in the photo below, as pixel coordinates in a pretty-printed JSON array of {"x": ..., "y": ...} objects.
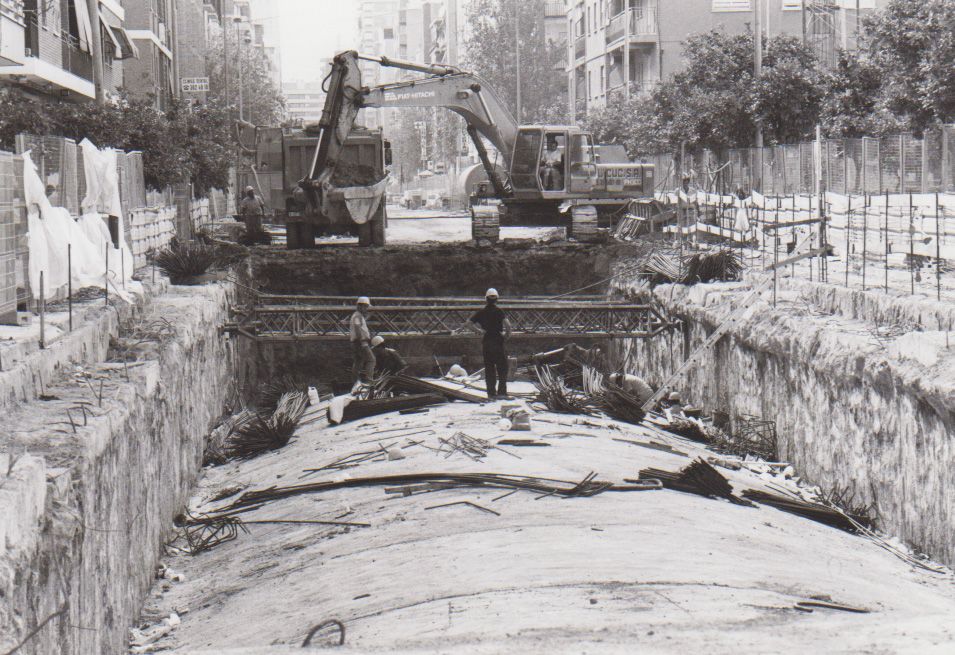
[{"x": 181, "y": 260}]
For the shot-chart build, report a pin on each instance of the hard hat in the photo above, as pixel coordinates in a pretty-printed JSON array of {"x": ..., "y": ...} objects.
[
  {"x": 491, "y": 293},
  {"x": 249, "y": 188},
  {"x": 363, "y": 301},
  {"x": 377, "y": 340}
]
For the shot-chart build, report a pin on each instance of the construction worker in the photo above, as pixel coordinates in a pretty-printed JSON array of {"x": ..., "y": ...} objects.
[
  {"x": 387, "y": 360},
  {"x": 496, "y": 330},
  {"x": 363, "y": 366},
  {"x": 552, "y": 166},
  {"x": 633, "y": 385},
  {"x": 251, "y": 209}
]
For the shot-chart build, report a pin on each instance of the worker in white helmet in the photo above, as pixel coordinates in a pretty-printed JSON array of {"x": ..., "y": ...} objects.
[
  {"x": 496, "y": 329},
  {"x": 387, "y": 360},
  {"x": 363, "y": 366}
]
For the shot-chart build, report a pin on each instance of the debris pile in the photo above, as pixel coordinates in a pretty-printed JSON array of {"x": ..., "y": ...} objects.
[
  {"x": 668, "y": 268},
  {"x": 347, "y": 174},
  {"x": 697, "y": 478}
]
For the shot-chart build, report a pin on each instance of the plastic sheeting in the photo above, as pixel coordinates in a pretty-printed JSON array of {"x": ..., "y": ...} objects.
[{"x": 61, "y": 247}]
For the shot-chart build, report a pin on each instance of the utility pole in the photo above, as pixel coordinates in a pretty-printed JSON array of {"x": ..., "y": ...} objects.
[
  {"x": 96, "y": 48},
  {"x": 802, "y": 16},
  {"x": 225, "y": 58},
  {"x": 517, "y": 54},
  {"x": 758, "y": 60}
]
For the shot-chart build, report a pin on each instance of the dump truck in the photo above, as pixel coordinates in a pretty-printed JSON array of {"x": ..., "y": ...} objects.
[
  {"x": 529, "y": 191},
  {"x": 283, "y": 158}
]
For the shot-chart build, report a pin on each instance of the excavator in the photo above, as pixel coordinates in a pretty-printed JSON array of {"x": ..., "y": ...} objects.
[{"x": 546, "y": 171}]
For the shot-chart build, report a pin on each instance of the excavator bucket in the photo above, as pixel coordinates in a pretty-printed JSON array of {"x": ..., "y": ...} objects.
[{"x": 359, "y": 202}]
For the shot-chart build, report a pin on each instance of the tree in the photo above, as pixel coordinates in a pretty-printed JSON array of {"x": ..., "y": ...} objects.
[
  {"x": 491, "y": 54},
  {"x": 263, "y": 103},
  {"x": 912, "y": 45},
  {"x": 636, "y": 123}
]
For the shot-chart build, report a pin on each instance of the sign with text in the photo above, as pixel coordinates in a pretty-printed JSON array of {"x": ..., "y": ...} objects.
[{"x": 195, "y": 84}]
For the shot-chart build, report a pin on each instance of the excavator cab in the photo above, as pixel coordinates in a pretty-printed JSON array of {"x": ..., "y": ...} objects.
[{"x": 552, "y": 162}]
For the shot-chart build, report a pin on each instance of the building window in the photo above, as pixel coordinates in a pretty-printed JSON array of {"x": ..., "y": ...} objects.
[
  {"x": 720, "y": 6},
  {"x": 603, "y": 79}
]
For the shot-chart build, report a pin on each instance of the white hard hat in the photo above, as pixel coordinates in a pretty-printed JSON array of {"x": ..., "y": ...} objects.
[
  {"x": 377, "y": 340},
  {"x": 491, "y": 293},
  {"x": 363, "y": 301},
  {"x": 249, "y": 188}
]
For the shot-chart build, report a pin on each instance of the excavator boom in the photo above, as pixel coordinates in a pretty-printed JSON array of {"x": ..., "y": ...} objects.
[{"x": 447, "y": 86}]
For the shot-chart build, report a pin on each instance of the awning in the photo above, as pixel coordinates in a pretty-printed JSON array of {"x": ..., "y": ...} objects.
[
  {"x": 125, "y": 48},
  {"x": 108, "y": 30},
  {"x": 130, "y": 51},
  {"x": 83, "y": 25}
]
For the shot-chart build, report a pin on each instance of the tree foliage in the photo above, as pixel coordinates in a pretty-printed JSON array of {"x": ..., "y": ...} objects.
[
  {"x": 911, "y": 43},
  {"x": 262, "y": 101},
  {"x": 492, "y": 54}
]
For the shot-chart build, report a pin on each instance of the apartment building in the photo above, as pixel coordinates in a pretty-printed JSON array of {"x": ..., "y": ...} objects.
[
  {"x": 378, "y": 25},
  {"x": 626, "y": 47},
  {"x": 46, "y": 46},
  {"x": 304, "y": 100},
  {"x": 152, "y": 25}
]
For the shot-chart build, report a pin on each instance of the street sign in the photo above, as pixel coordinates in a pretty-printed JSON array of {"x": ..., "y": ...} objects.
[{"x": 195, "y": 84}]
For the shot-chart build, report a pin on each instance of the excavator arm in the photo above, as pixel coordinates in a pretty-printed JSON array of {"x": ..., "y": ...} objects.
[{"x": 447, "y": 86}]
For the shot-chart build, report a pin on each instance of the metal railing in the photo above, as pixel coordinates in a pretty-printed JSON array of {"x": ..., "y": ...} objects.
[
  {"x": 633, "y": 22},
  {"x": 900, "y": 163},
  {"x": 73, "y": 59},
  {"x": 554, "y": 8}
]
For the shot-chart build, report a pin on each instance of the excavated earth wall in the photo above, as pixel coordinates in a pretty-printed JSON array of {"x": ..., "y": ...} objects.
[
  {"x": 514, "y": 267},
  {"x": 861, "y": 387},
  {"x": 87, "y": 497}
]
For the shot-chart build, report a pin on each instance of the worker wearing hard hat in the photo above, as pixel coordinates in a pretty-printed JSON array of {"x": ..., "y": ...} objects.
[
  {"x": 251, "y": 209},
  {"x": 363, "y": 366},
  {"x": 387, "y": 360},
  {"x": 496, "y": 329}
]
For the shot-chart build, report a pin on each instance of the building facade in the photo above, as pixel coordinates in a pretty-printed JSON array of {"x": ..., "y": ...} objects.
[
  {"x": 626, "y": 47},
  {"x": 152, "y": 25},
  {"x": 46, "y": 46}
]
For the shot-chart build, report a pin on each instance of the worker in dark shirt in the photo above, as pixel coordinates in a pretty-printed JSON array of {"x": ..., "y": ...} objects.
[
  {"x": 387, "y": 360},
  {"x": 496, "y": 330}
]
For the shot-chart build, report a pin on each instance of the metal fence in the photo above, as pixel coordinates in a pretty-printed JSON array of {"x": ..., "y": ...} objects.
[{"x": 899, "y": 163}]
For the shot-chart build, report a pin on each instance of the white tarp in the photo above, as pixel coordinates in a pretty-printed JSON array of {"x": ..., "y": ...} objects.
[{"x": 61, "y": 247}]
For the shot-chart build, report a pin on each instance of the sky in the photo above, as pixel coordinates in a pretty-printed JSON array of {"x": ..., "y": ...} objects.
[{"x": 314, "y": 29}]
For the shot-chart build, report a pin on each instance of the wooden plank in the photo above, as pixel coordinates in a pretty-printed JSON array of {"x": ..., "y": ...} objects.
[{"x": 417, "y": 385}]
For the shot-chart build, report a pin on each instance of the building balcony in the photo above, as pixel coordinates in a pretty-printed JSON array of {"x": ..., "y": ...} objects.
[
  {"x": 636, "y": 24},
  {"x": 72, "y": 74},
  {"x": 554, "y": 8},
  {"x": 580, "y": 47}
]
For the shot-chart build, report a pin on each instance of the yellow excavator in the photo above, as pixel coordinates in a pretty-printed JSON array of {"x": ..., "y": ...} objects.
[{"x": 550, "y": 173}]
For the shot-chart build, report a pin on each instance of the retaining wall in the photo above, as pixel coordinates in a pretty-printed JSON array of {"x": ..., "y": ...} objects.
[
  {"x": 860, "y": 385},
  {"x": 84, "y": 514}
]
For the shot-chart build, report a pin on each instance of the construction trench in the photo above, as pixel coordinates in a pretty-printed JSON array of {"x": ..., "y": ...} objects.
[{"x": 114, "y": 417}]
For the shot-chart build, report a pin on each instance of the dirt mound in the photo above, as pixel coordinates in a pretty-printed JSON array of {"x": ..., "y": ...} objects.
[{"x": 347, "y": 174}]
